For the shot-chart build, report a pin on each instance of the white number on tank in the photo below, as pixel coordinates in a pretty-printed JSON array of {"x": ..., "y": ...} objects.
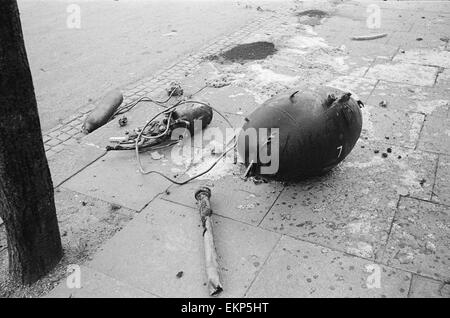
[{"x": 340, "y": 151}]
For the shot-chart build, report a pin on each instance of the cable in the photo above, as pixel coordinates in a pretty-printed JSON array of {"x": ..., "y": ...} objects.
[
  {"x": 194, "y": 177},
  {"x": 139, "y": 145},
  {"x": 130, "y": 106},
  {"x": 179, "y": 103}
]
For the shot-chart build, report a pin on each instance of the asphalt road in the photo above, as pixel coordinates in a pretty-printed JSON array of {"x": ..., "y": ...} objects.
[{"x": 118, "y": 42}]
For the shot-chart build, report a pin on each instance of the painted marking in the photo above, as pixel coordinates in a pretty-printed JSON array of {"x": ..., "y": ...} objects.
[{"x": 340, "y": 151}]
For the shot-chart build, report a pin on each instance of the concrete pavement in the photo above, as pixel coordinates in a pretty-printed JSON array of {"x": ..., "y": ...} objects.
[{"x": 377, "y": 226}]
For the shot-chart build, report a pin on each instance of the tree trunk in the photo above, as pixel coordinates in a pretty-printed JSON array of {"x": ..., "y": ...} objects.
[{"x": 27, "y": 204}]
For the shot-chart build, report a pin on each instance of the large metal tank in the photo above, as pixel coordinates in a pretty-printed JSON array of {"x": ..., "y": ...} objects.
[{"x": 317, "y": 129}]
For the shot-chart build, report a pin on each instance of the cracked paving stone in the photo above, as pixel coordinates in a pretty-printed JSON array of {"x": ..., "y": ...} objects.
[
  {"x": 422, "y": 287},
  {"x": 441, "y": 191},
  {"x": 432, "y": 57},
  {"x": 420, "y": 239},
  {"x": 403, "y": 128},
  {"x": 408, "y": 98},
  {"x": 301, "y": 269},
  {"x": 435, "y": 135},
  {"x": 115, "y": 178},
  {"x": 408, "y": 40},
  {"x": 406, "y": 73},
  {"x": 173, "y": 243},
  {"x": 352, "y": 207},
  {"x": 70, "y": 160}
]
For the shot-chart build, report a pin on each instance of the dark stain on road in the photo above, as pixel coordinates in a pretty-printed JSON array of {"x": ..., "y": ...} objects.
[
  {"x": 246, "y": 52},
  {"x": 313, "y": 13},
  {"x": 311, "y": 17}
]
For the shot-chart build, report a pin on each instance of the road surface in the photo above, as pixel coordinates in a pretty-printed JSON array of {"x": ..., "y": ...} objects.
[{"x": 118, "y": 42}]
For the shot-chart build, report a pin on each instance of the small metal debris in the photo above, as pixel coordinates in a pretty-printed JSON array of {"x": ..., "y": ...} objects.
[
  {"x": 156, "y": 155},
  {"x": 258, "y": 179},
  {"x": 115, "y": 207},
  {"x": 123, "y": 121},
  {"x": 180, "y": 274},
  {"x": 430, "y": 247},
  {"x": 383, "y": 104},
  {"x": 175, "y": 89},
  {"x": 384, "y": 155}
]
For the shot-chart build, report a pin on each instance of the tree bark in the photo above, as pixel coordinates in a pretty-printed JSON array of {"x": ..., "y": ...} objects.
[{"x": 27, "y": 204}]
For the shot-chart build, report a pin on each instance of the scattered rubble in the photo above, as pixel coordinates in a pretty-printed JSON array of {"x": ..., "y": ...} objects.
[
  {"x": 174, "y": 89},
  {"x": 383, "y": 104},
  {"x": 123, "y": 121}
]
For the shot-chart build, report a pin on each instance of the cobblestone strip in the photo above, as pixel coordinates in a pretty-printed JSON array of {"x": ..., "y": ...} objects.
[{"x": 68, "y": 132}]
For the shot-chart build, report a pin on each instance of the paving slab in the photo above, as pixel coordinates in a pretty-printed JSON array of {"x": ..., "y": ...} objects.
[
  {"x": 115, "y": 178},
  {"x": 437, "y": 25},
  {"x": 218, "y": 132},
  {"x": 166, "y": 239},
  {"x": 94, "y": 284},
  {"x": 71, "y": 160},
  {"x": 415, "y": 40},
  {"x": 443, "y": 80},
  {"x": 441, "y": 191},
  {"x": 430, "y": 101},
  {"x": 301, "y": 269},
  {"x": 435, "y": 135},
  {"x": 433, "y": 57},
  {"x": 403, "y": 129},
  {"x": 86, "y": 222},
  {"x": 352, "y": 207},
  {"x": 196, "y": 80},
  {"x": 232, "y": 197},
  {"x": 422, "y": 287},
  {"x": 419, "y": 240},
  {"x": 229, "y": 99},
  {"x": 370, "y": 50},
  {"x": 406, "y": 73}
]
